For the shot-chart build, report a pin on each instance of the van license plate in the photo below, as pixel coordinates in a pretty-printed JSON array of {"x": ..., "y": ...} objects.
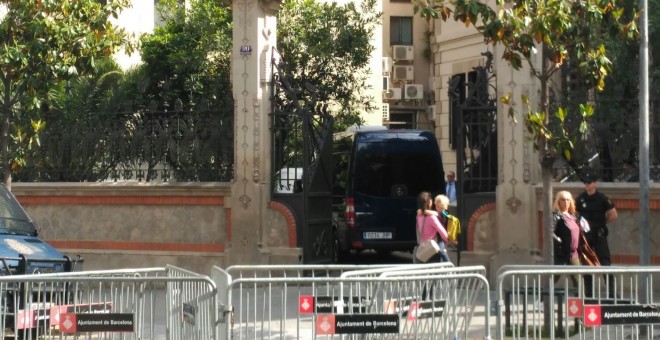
[{"x": 372, "y": 235}]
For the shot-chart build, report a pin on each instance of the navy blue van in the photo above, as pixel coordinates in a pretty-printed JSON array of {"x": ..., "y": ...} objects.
[
  {"x": 383, "y": 173},
  {"x": 21, "y": 250}
]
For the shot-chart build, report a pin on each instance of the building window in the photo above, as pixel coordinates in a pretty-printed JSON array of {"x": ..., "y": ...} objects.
[
  {"x": 459, "y": 92},
  {"x": 402, "y": 120},
  {"x": 401, "y": 30}
]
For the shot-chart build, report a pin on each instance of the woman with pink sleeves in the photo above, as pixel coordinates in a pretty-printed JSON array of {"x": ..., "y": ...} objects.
[{"x": 429, "y": 227}]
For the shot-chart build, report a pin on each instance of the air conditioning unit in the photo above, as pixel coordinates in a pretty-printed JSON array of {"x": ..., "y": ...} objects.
[
  {"x": 387, "y": 66},
  {"x": 402, "y": 52},
  {"x": 386, "y": 112},
  {"x": 414, "y": 91},
  {"x": 386, "y": 83},
  {"x": 393, "y": 93},
  {"x": 403, "y": 72}
]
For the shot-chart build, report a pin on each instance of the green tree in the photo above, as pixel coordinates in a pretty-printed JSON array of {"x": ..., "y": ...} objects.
[
  {"x": 623, "y": 90},
  {"x": 187, "y": 64},
  {"x": 328, "y": 46},
  {"x": 189, "y": 56},
  {"x": 557, "y": 29},
  {"x": 44, "y": 42}
]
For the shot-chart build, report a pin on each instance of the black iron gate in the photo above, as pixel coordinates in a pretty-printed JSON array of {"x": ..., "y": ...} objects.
[
  {"x": 473, "y": 122},
  {"x": 302, "y": 162}
]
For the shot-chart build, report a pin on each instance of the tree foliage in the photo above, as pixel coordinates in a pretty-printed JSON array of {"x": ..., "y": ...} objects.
[
  {"x": 616, "y": 127},
  {"x": 188, "y": 57},
  {"x": 168, "y": 113},
  {"x": 557, "y": 29},
  {"x": 328, "y": 45},
  {"x": 44, "y": 42}
]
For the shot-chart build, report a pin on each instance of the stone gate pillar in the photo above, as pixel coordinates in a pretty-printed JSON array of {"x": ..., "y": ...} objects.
[
  {"x": 253, "y": 41},
  {"x": 519, "y": 170}
]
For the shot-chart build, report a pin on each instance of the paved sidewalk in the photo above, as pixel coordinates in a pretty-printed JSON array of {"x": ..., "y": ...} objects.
[{"x": 477, "y": 328}]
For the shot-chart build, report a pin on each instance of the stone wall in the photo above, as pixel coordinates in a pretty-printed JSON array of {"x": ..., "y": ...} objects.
[
  {"x": 129, "y": 225},
  {"x": 624, "y": 238}
]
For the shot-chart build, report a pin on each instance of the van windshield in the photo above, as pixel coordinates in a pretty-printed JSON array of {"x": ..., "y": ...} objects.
[
  {"x": 13, "y": 219},
  {"x": 397, "y": 168}
]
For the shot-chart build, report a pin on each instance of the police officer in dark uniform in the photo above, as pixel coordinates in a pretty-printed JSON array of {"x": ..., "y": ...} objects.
[{"x": 598, "y": 210}]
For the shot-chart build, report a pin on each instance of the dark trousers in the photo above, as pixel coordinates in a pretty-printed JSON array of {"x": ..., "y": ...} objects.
[
  {"x": 441, "y": 256},
  {"x": 598, "y": 241}
]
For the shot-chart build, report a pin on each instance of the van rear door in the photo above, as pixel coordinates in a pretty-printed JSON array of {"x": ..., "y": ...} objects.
[{"x": 390, "y": 169}]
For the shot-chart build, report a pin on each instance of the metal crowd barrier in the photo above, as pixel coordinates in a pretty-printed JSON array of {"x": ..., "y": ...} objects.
[
  {"x": 191, "y": 305},
  {"x": 464, "y": 294},
  {"x": 413, "y": 301},
  {"x": 320, "y": 270},
  {"x": 386, "y": 302},
  {"x": 150, "y": 303},
  {"x": 574, "y": 302}
]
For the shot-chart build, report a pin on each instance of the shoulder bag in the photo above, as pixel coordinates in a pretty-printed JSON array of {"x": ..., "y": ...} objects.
[
  {"x": 587, "y": 254},
  {"x": 426, "y": 249}
]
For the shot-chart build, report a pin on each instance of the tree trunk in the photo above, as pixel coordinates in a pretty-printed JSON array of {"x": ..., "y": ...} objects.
[
  {"x": 547, "y": 160},
  {"x": 5, "y": 114},
  {"x": 548, "y": 249},
  {"x": 4, "y": 154}
]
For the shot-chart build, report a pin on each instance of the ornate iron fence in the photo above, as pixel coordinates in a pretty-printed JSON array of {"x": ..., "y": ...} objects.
[{"x": 161, "y": 142}]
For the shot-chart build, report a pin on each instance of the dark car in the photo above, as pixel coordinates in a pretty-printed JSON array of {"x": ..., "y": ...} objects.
[
  {"x": 25, "y": 306},
  {"x": 21, "y": 250},
  {"x": 379, "y": 175}
]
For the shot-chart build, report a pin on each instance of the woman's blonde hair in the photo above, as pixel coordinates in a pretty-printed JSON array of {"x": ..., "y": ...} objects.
[{"x": 571, "y": 202}]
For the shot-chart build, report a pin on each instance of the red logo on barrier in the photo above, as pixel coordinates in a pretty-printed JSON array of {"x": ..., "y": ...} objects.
[
  {"x": 25, "y": 319},
  {"x": 98, "y": 307},
  {"x": 414, "y": 310},
  {"x": 306, "y": 304},
  {"x": 68, "y": 323},
  {"x": 55, "y": 313},
  {"x": 575, "y": 308},
  {"x": 592, "y": 315},
  {"x": 325, "y": 324}
]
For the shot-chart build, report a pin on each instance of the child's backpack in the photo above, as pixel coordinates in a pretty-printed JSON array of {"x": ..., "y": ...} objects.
[{"x": 453, "y": 228}]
